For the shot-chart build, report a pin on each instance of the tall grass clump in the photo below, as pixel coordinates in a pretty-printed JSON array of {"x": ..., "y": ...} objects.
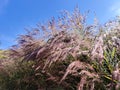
[{"x": 69, "y": 55}]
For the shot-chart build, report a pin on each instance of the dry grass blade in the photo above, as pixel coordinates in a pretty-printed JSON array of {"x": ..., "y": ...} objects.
[
  {"x": 97, "y": 51},
  {"x": 74, "y": 67}
]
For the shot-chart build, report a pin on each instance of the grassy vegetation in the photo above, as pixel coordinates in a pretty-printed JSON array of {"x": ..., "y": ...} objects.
[{"x": 70, "y": 55}]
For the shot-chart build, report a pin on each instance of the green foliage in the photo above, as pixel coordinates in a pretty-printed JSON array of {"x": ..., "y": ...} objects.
[
  {"x": 22, "y": 77},
  {"x": 3, "y": 54}
]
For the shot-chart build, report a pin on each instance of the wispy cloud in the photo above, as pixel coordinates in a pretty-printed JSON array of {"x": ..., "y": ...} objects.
[
  {"x": 3, "y": 4},
  {"x": 115, "y": 8}
]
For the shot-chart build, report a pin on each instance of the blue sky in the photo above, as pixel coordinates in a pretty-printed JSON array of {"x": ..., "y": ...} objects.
[{"x": 15, "y": 15}]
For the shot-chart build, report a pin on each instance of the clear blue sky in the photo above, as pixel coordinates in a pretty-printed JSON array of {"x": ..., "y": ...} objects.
[{"x": 15, "y": 15}]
